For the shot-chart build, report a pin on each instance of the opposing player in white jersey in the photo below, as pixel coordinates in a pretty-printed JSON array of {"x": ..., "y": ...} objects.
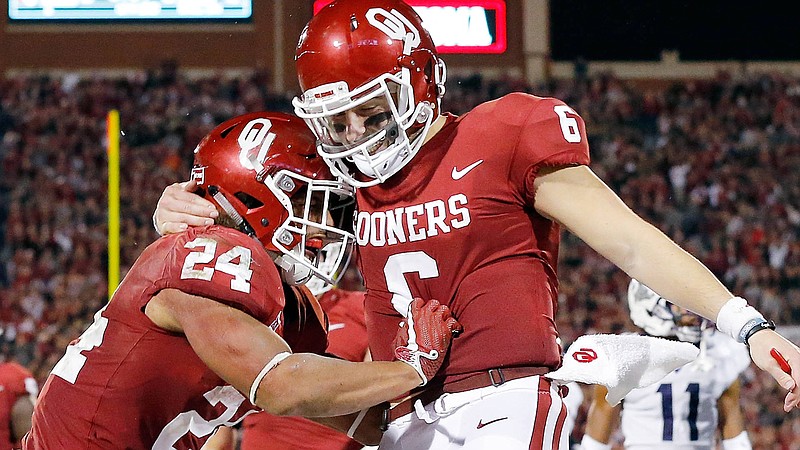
[{"x": 686, "y": 408}]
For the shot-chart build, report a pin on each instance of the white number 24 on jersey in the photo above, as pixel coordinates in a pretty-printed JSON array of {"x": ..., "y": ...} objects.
[
  {"x": 240, "y": 271},
  {"x": 73, "y": 360}
]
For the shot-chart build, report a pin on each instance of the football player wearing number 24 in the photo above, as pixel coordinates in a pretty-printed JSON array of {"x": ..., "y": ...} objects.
[
  {"x": 469, "y": 210},
  {"x": 214, "y": 323}
]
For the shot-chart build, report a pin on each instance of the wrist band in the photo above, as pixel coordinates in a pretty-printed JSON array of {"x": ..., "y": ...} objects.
[
  {"x": 756, "y": 326},
  {"x": 589, "y": 443},
  {"x": 736, "y": 315},
  {"x": 269, "y": 366},
  {"x": 740, "y": 442},
  {"x": 360, "y": 417}
]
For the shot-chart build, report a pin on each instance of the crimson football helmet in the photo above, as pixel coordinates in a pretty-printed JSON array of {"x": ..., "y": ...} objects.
[
  {"x": 659, "y": 317},
  {"x": 359, "y": 53},
  {"x": 263, "y": 171}
]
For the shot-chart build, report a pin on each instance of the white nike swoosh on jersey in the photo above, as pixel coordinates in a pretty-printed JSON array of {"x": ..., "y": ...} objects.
[
  {"x": 459, "y": 174},
  {"x": 335, "y": 326}
]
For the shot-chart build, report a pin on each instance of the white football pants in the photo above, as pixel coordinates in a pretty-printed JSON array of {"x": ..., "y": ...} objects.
[{"x": 522, "y": 414}]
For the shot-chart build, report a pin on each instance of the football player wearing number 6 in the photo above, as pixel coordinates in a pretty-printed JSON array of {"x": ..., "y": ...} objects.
[
  {"x": 469, "y": 210},
  {"x": 211, "y": 324}
]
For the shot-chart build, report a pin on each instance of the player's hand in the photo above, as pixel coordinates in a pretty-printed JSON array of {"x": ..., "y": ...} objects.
[
  {"x": 178, "y": 208},
  {"x": 424, "y": 336},
  {"x": 761, "y": 344}
]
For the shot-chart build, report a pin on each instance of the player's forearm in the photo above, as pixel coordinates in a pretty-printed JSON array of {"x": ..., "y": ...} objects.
[
  {"x": 655, "y": 260},
  {"x": 366, "y": 428},
  {"x": 600, "y": 218},
  {"x": 599, "y": 422},
  {"x": 314, "y": 386}
]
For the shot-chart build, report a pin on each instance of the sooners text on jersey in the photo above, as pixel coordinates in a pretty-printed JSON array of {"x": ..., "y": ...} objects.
[{"x": 458, "y": 225}]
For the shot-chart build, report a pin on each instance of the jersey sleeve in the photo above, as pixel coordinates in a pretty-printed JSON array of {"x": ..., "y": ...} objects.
[
  {"x": 224, "y": 265},
  {"x": 553, "y": 134}
]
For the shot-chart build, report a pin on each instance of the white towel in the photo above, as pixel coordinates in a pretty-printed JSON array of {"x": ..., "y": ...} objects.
[{"x": 621, "y": 362}]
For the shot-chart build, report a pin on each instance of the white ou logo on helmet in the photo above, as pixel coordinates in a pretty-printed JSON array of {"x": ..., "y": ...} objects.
[
  {"x": 394, "y": 25},
  {"x": 255, "y": 133}
]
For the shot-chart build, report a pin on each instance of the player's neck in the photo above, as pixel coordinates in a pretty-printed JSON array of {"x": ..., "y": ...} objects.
[{"x": 436, "y": 126}]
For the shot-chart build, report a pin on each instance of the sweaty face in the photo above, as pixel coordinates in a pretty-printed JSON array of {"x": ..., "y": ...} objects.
[{"x": 361, "y": 123}]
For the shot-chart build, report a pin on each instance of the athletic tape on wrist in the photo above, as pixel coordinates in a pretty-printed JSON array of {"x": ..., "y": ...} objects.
[
  {"x": 359, "y": 418},
  {"x": 269, "y": 366},
  {"x": 740, "y": 442},
  {"x": 588, "y": 443},
  {"x": 735, "y": 315}
]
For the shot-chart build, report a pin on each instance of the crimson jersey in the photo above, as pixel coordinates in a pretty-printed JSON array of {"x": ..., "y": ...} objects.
[
  {"x": 15, "y": 382},
  {"x": 127, "y": 383},
  {"x": 458, "y": 225},
  {"x": 347, "y": 339}
]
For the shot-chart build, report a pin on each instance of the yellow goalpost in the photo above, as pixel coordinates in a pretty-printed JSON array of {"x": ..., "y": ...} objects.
[{"x": 113, "y": 200}]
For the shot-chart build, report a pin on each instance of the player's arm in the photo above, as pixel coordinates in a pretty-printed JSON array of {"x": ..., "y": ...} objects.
[
  {"x": 240, "y": 349},
  {"x": 178, "y": 208},
  {"x": 731, "y": 419},
  {"x": 576, "y": 198},
  {"x": 600, "y": 421},
  {"x": 365, "y": 426},
  {"x": 223, "y": 439},
  {"x": 21, "y": 414}
]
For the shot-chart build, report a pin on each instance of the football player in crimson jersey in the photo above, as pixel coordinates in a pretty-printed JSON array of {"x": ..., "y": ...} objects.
[
  {"x": 469, "y": 210},
  {"x": 201, "y": 330},
  {"x": 347, "y": 339},
  {"x": 686, "y": 408},
  {"x": 18, "y": 390}
]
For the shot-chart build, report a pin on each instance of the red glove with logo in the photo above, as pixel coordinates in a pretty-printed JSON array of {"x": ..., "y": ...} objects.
[{"x": 424, "y": 336}]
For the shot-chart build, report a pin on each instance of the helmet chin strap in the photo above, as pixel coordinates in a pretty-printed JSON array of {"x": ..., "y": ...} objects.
[
  {"x": 225, "y": 204},
  {"x": 292, "y": 272}
]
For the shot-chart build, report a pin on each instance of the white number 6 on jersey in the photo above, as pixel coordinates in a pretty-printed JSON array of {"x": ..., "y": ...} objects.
[
  {"x": 569, "y": 125},
  {"x": 395, "y": 269}
]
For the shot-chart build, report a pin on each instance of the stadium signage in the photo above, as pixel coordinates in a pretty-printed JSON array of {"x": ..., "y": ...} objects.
[{"x": 460, "y": 26}]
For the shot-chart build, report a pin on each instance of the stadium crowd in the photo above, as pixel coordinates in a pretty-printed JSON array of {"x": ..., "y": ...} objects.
[{"x": 716, "y": 163}]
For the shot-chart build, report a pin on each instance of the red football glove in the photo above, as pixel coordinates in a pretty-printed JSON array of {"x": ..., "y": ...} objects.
[{"x": 424, "y": 336}]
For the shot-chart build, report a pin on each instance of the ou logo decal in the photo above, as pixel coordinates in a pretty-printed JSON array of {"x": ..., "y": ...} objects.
[
  {"x": 585, "y": 355},
  {"x": 394, "y": 25},
  {"x": 255, "y": 134}
]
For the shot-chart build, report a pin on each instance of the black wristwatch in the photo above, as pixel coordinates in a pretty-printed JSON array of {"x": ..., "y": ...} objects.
[{"x": 755, "y": 328}]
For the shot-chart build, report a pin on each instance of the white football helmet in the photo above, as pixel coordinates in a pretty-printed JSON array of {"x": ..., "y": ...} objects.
[{"x": 659, "y": 317}]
